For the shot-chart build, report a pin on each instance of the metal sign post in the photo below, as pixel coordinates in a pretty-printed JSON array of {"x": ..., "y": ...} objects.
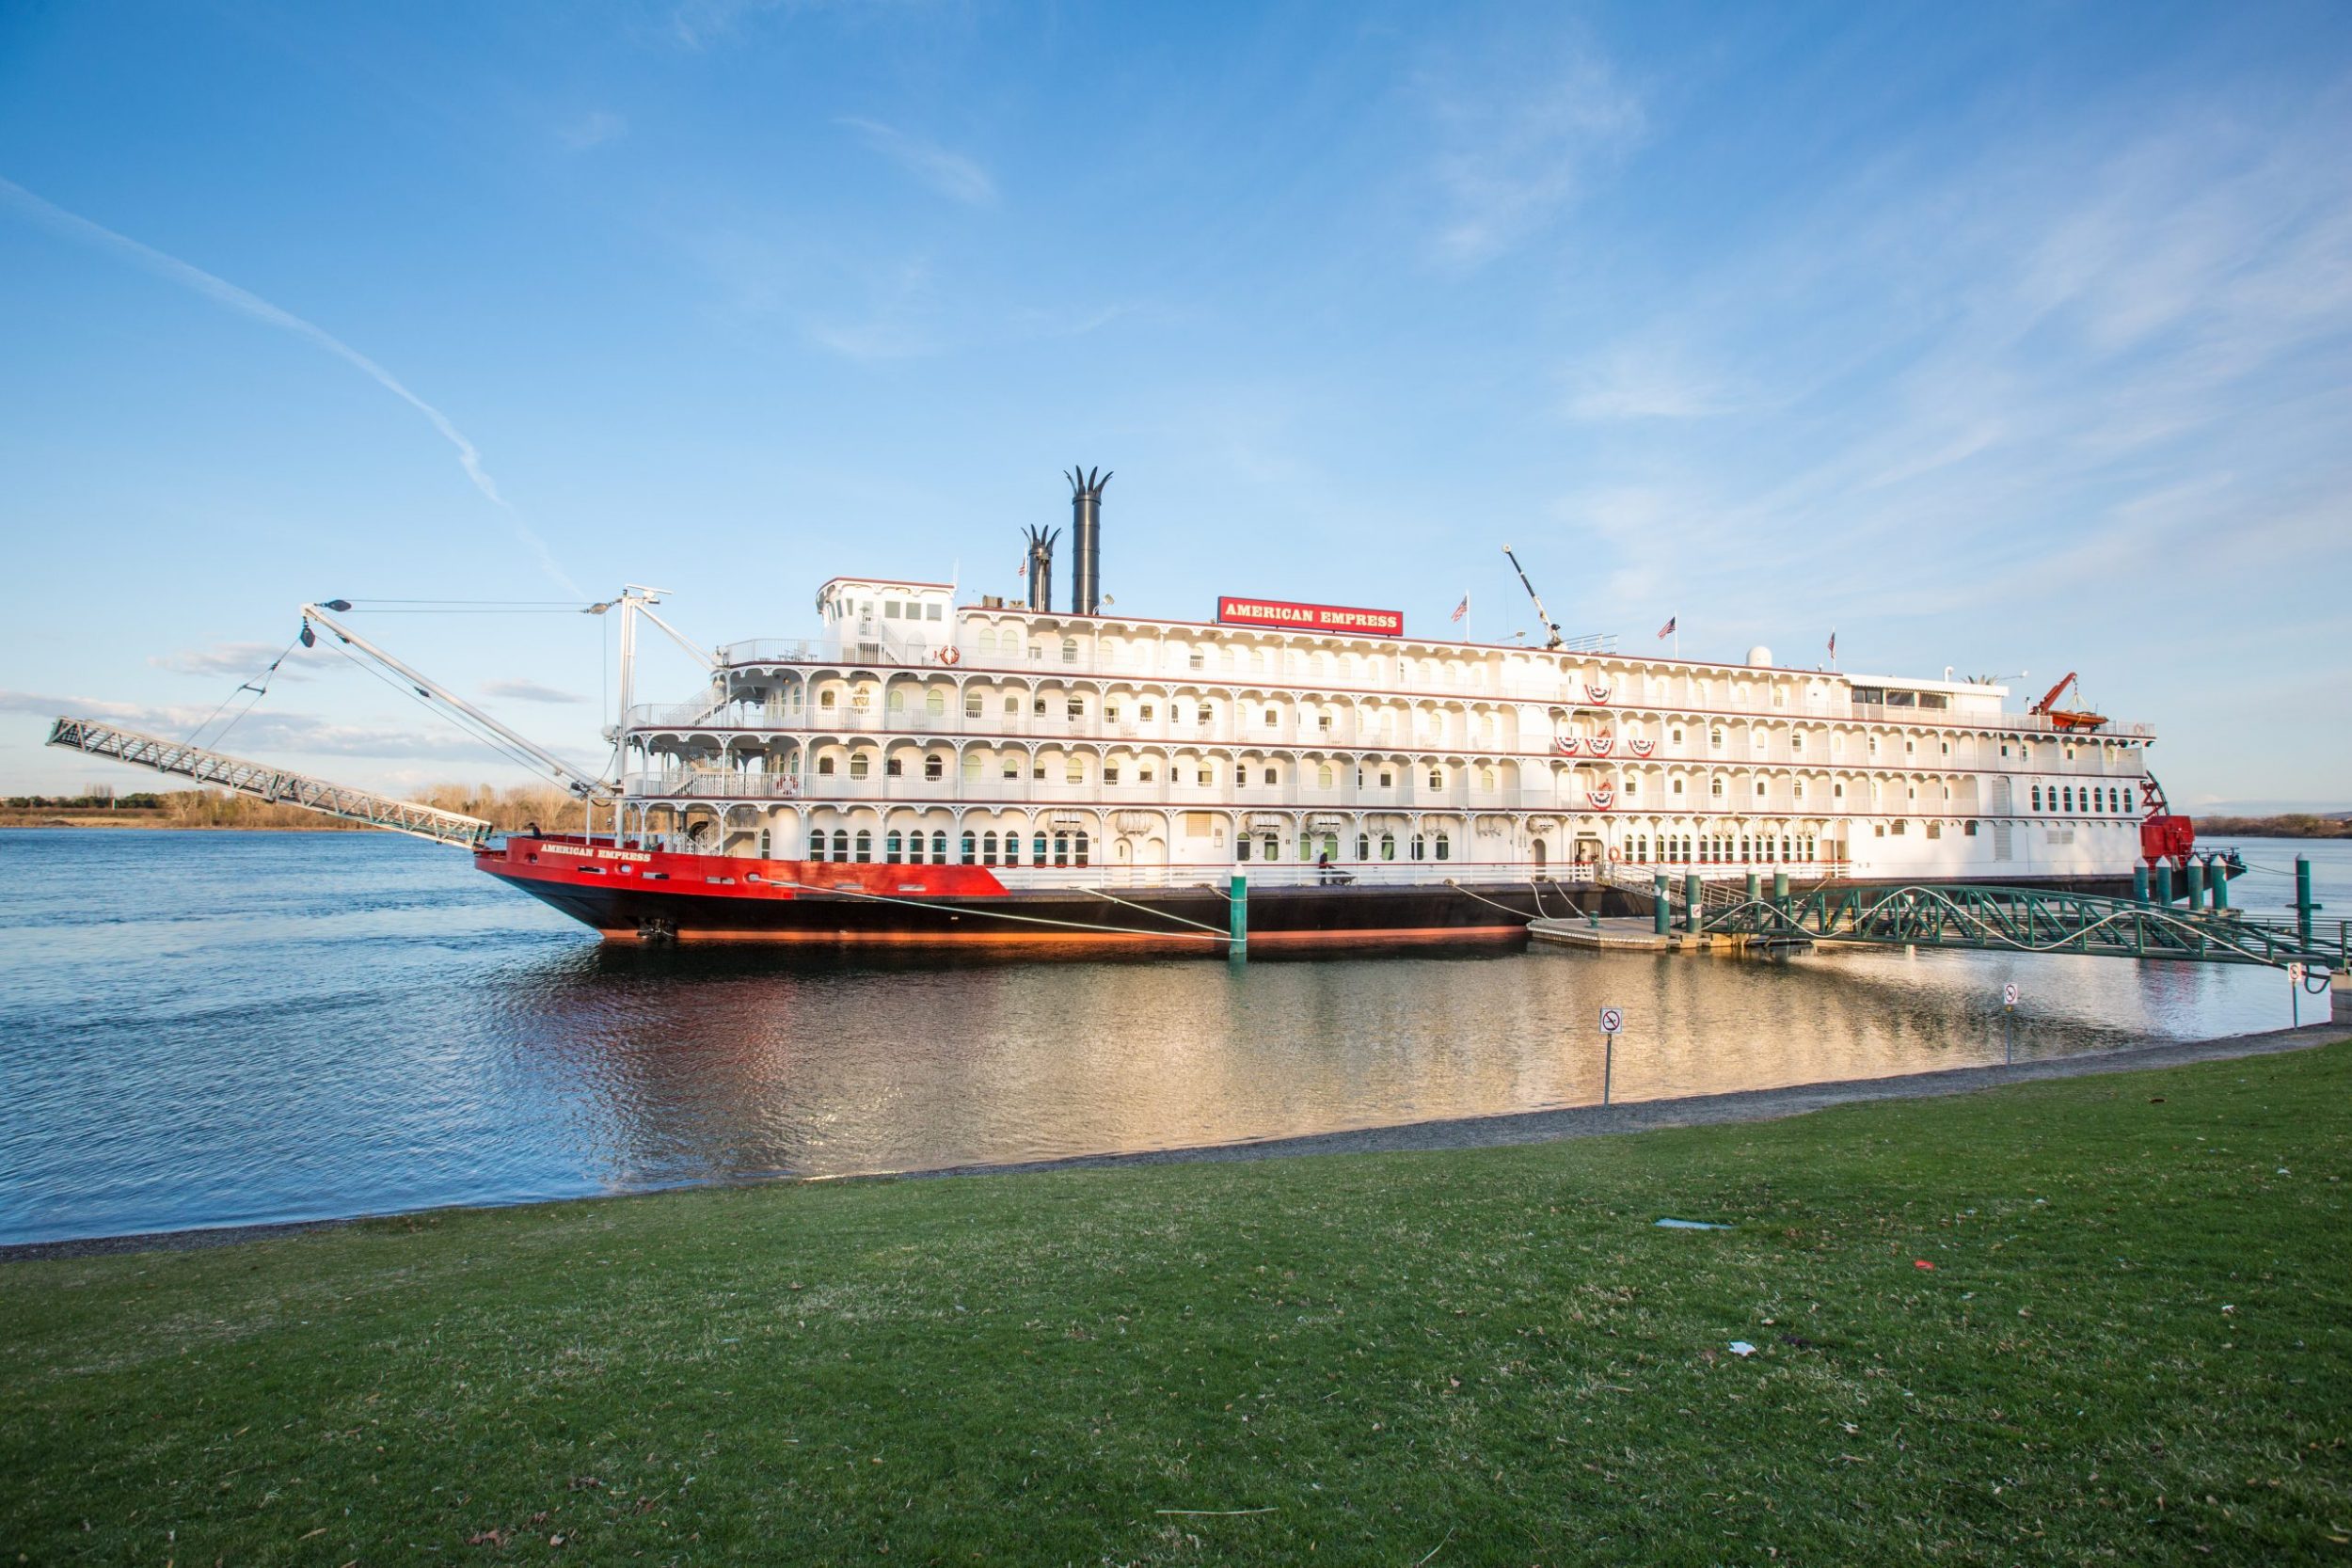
[
  {"x": 2295, "y": 992},
  {"x": 1612, "y": 1020},
  {"x": 2008, "y": 1023}
]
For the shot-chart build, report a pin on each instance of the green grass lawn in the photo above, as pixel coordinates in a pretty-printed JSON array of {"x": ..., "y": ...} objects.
[{"x": 2134, "y": 1345}]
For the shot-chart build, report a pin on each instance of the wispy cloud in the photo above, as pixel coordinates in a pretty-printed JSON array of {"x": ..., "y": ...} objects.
[
  {"x": 591, "y": 130},
  {"x": 224, "y": 292},
  {"x": 528, "y": 692},
  {"x": 260, "y": 733},
  {"x": 952, "y": 174},
  {"x": 1519, "y": 143},
  {"x": 241, "y": 661}
]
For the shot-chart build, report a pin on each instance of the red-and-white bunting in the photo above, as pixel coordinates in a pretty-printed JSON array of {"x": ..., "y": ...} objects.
[
  {"x": 1597, "y": 693},
  {"x": 1602, "y": 742},
  {"x": 1603, "y": 798},
  {"x": 1640, "y": 747},
  {"x": 1566, "y": 744}
]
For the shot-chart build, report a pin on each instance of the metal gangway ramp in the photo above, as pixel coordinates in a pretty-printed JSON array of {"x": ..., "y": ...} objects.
[{"x": 274, "y": 784}]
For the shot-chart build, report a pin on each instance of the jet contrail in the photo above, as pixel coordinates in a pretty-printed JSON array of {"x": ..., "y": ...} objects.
[{"x": 225, "y": 293}]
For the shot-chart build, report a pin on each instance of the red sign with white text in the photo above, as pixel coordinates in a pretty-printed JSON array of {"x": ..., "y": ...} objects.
[{"x": 1309, "y": 617}]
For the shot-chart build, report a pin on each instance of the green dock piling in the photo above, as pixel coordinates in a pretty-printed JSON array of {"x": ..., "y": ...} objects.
[
  {"x": 2196, "y": 886},
  {"x": 1694, "y": 901},
  {"x": 2220, "y": 887},
  {"x": 1662, "y": 918},
  {"x": 2140, "y": 884},
  {"x": 2304, "y": 906},
  {"x": 2164, "y": 884},
  {"x": 1237, "y": 907}
]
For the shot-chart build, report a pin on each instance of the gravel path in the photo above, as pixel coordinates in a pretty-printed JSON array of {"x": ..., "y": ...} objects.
[{"x": 1525, "y": 1127}]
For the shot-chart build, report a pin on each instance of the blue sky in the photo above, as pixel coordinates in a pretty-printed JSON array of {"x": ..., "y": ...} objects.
[{"x": 2005, "y": 338}]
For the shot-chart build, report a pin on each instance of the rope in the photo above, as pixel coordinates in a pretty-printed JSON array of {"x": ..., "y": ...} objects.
[
  {"x": 1506, "y": 908},
  {"x": 996, "y": 914},
  {"x": 1163, "y": 914},
  {"x": 268, "y": 673}
]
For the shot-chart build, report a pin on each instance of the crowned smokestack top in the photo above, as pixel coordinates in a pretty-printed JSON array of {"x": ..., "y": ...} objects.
[
  {"x": 1086, "y": 538},
  {"x": 1040, "y": 572}
]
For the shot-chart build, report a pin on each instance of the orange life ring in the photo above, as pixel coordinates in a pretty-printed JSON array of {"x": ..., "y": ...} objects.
[
  {"x": 948, "y": 656},
  {"x": 1612, "y": 856}
]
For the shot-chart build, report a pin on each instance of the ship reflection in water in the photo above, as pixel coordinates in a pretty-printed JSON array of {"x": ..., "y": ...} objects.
[{"x": 222, "y": 1028}]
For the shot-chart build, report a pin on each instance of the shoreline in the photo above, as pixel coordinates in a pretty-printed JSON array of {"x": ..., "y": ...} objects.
[{"x": 1507, "y": 1129}]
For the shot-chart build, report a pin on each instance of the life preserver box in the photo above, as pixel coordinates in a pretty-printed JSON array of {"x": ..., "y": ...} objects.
[{"x": 948, "y": 656}]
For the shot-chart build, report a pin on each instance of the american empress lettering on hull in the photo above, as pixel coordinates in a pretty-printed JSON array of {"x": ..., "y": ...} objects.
[{"x": 927, "y": 771}]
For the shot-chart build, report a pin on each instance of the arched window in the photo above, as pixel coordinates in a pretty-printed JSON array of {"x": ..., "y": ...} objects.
[
  {"x": 1012, "y": 706},
  {"x": 1269, "y": 775},
  {"x": 939, "y": 848},
  {"x": 1437, "y": 778},
  {"x": 825, "y": 699},
  {"x": 2070, "y": 798},
  {"x": 1070, "y": 650},
  {"x": 817, "y": 848},
  {"x": 1037, "y": 850},
  {"x": 934, "y": 767},
  {"x": 1323, "y": 777},
  {"x": 1271, "y": 843},
  {"x": 824, "y": 768},
  {"x": 1074, "y": 771},
  {"x": 1715, "y": 788},
  {"x": 865, "y": 845},
  {"x": 858, "y": 765},
  {"x": 1363, "y": 841},
  {"x": 896, "y": 702},
  {"x": 1061, "y": 849},
  {"x": 988, "y": 848},
  {"x": 893, "y": 767},
  {"x": 1387, "y": 847},
  {"x": 1445, "y": 846},
  {"x": 1419, "y": 848},
  {"x": 971, "y": 849},
  {"x": 841, "y": 844},
  {"x": 1487, "y": 778},
  {"x": 1079, "y": 848},
  {"x": 934, "y": 702},
  {"x": 988, "y": 640},
  {"x": 2037, "y": 796}
]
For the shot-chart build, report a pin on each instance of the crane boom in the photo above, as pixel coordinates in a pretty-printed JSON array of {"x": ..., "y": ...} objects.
[
  {"x": 275, "y": 784},
  {"x": 1550, "y": 625},
  {"x": 582, "y": 784}
]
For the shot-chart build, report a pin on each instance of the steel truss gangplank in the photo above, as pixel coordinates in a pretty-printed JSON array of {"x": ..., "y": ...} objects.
[
  {"x": 274, "y": 784},
  {"x": 2030, "y": 920}
]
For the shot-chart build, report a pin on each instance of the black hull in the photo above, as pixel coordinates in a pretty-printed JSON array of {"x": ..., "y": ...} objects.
[{"x": 1194, "y": 918}]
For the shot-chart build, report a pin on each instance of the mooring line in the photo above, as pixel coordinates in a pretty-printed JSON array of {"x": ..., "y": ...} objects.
[{"x": 1000, "y": 915}]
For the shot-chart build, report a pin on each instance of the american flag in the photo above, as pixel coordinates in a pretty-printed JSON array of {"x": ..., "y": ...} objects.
[
  {"x": 1022, "y": 570},
  {"x": 1833, "y": 645},
  {"x": 1463, "y": 608},
  {"x": 1668, "y": 629}
]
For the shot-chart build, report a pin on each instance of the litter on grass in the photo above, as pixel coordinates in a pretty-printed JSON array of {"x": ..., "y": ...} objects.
[
  {"x": 1740, "y": 1347},
  {"x": 1690, "y": 1225}
]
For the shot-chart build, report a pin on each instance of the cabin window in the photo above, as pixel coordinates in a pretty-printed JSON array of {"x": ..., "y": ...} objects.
[
  {"x": 1037, "y": 850},
  {"x": 895, "y": 703},
  {"x": 858, "y": 765},
  {"x": 1387, "y": 780},
  {"x": 1437, "y": 778},
  {"x": 1968, "y": 830},
  {"x": 1715, "y": 739},
  {"x": 1196, "y": 659},
  {"x": 971, "y": 849},
  {"x": 1144, "y": 710},
  {"x": 1079, "y": 848},
  {"x": 1241, "y": 847},
  {"x": 1013, "y": 707},
  {"x": 891, "y": 849},
  {"x": 825, "y": 699},
  {"x": 1363, "y": 846},
  {"x": 1070, "y": 650},
  {"x": 1205, "y": 714},
  {"x": 1077, "y": 707},
  {"x": 1012, "y": 765},
  {"x": 893, "y": 767},
  {"x": 986, "y": 643},
  {"x": 988, "y": 848},
  {"x": 841, "y": 844},
  {"x": 1061, "y": 849},
  {"x": 1271, "y": 843},
  {"x": 972, "y": 705},
  {"x": 1874, "y": 745},
  {"x": 1797, "y": 790},
  {"x": 1796, "y": 744},
  {"x": 939, "y": 848},
  {"x": 1038, "y": 708},
  {"x": 1677, "y": 786},
  {"x": 935, "y": 703},
  {"x": 1445, "y": 846},
  {"x": 934, "y": 767},
  {"x": 890, "y": 609},
  {"x": 1838, "y": 792},
  {"x": 1678, "y": 737},
  {"x": 1074, "y": 770},
  {"x": 2037, "y": 796},
  {"x": 1487, "y": 778},
  {"x": 1632, "y": 786},
  {"x": 1902, "y": 828},
  {"x": 1935, "y": 830},
  {"x": 1146, "y": 772},
  {"x": 1419, "y": 848},
  {"x": 1387, "y": 847},
  {"x": 1269, "y": 775},
  {"x": 1207, "y": 776},
  {"x": 1271, "y": 719},
  {"x": 1324, "y": 778},
  {"x": 1715, "y": 788},
  {"x": 824, "y": 766},
  {"x": 1910, "y": 749},
  {"x": 972, "y": 763},
  {"x": 1760, "y": 789},
  {"x": 865, "y": 845}
]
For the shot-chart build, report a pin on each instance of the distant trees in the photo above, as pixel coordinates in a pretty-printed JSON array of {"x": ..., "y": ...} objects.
[
  {"x": 2291, "y": 825},
  {"x": 509, "y": 810}
]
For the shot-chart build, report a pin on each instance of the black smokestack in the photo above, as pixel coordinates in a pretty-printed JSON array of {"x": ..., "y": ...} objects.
[
  {"x": 1086, "y": 537},
  {"x": 1042, "y": 567}
]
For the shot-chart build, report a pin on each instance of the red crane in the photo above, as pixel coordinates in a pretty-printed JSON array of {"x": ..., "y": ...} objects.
[{"x": 2062, "y": 717}]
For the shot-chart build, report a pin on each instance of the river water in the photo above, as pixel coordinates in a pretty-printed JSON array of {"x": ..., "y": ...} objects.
[{"x": 222, "y": 1028}]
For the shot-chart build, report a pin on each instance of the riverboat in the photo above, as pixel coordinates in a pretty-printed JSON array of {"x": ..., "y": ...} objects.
[{"x": 936, "y": 768}]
